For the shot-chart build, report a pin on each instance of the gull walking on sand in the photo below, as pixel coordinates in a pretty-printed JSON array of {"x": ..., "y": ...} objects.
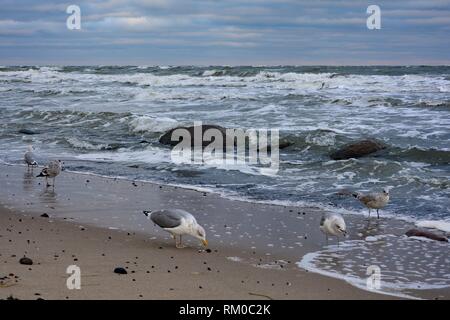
[
  {"x": 52, "y": 170},
  {"x": 29, "y": 157},
  {"x": 178, "y": 223},
  {"x": 374, "y": 200},
  {"x": 333, "y": 224}
]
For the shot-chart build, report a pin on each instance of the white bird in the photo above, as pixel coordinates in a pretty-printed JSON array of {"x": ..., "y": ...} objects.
[
  {"x": 178, "y": 222},
  {"x": 374, "y": 200},
  {"x": 52, "y": 170},
  {"x": 29, "y": 157},
  {"x": 333, "y": 224}
]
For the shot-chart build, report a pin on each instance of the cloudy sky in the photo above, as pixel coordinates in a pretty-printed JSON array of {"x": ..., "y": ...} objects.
[{"x": 224, "y": 32}]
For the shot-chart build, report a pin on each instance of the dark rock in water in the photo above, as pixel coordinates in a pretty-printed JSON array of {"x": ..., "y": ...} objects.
[
  {"x": 344, "y": 192},
  {"x": 120, "y": 270},
  {"x": 166, "y": 138},
  {"x": 284, "y": 144},
  {"x": 44, "y": 215},
  {"x": 27, "y": 131},
  {"x": 26, "y": 261},
  {"x": 426, "y": 234},
  {"x": 357, "y": 150}
]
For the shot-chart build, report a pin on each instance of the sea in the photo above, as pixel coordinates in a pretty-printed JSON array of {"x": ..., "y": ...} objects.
[{"x": 107, "y": 120}]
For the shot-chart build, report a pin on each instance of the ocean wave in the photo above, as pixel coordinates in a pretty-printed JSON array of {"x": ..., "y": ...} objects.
[
  {"x": 152, "y": 124},
  {"x": 416, "y": 154},
  {"x": 85, "y": 145},
  {"x": 229, "y": 76}
]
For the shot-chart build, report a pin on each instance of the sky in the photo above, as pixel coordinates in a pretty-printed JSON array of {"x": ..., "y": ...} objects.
[{"x": 224, "y": 32}]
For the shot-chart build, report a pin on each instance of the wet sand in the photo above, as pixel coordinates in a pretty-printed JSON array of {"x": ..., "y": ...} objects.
[{"x": 97, "y": 224}]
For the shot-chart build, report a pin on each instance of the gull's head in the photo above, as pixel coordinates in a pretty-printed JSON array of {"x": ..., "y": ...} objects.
[
  {"x": 386, "y": 190},
  {"x": 340, "y": 226},
  {"x": 30, "y": 147},
  {"x": 200, "y": 233}
]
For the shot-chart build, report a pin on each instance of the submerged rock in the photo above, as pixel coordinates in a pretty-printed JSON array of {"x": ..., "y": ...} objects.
[
  {"x": 357, "y": 149},
  {"x": 28, "y": 131},
  {"x": 426, "y": 234}
]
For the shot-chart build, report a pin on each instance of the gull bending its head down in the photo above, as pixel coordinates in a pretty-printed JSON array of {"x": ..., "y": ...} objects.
[
  {"x": 333, "y": 224},
  {"x": 178, "y": 222}
]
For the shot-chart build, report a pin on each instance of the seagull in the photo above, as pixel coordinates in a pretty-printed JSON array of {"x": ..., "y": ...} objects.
[
  {"x": 51, "y": 171},
  {"x": 178, "y": 222},
  {"x": 333, "y": 224},
  {"x": 29, "y": 157},
  {"x": 374, "y": 200}
]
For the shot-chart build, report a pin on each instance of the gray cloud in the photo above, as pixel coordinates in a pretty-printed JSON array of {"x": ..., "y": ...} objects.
[{"x": 225, "y": 32}]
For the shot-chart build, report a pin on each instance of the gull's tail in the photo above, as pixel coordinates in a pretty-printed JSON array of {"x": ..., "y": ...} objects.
[{"x": 147, "y": 213}]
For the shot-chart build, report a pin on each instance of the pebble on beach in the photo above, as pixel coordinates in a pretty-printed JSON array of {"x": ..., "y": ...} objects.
[
  {"x": 26, "y": 261},
  {"x": 120, "y": 270}
]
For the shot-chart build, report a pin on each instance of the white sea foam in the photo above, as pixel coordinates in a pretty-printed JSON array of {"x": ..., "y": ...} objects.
[
  {"x": 152, "y": 124},
  {"x": 74, "y": 142},
  {"x": 434, "y": 224},
  {"x": 150, "y": 155}
]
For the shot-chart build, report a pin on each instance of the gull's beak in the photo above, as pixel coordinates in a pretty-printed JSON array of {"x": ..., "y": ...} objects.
[{"x": 205, "y": 242}]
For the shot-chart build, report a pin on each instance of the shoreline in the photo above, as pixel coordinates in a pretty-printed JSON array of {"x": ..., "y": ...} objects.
[{"x": 263, "y": 239}]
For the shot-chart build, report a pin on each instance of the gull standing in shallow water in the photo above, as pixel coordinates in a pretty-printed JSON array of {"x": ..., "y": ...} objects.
[
  {"x": 51, "y": 171},
  {"x": 178, "y": 222},
  {"x": 374, "y": 200},
  {"x": 333, "y": 224},
  {"x": 29, "y": 157}
]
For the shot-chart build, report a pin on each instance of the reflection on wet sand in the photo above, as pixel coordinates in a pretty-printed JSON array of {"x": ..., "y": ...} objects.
[
  {"x": 370, "y": 228},
  {"x": 28, "y": 179},
  {"x": 49, "y": 196}
]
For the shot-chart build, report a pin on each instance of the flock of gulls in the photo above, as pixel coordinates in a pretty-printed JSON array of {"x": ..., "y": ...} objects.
[{"x": 180, "y": 222}]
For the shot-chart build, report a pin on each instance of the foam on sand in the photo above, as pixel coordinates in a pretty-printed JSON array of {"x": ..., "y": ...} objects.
[
  {"x": 434, "y": 224},
  {"x": 405, "y": 266}
]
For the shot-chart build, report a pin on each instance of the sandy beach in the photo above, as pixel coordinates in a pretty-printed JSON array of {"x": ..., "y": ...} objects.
[{"x": 97, "y": 224}]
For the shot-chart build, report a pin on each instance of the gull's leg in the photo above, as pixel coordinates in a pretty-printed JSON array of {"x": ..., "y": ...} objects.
[
  {"x": 326, "y": 238},
  {"x": 46, "y": 182},
  {"x": 178, "y": 243},
  {"x": 369, "y": 212},
  {"x": 378, "y": 215},
  {"x": 174, "y": 237},
  {"x": 338, "y": 241}
]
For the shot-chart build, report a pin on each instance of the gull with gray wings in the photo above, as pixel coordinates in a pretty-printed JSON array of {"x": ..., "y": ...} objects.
[{"x": 178, "y": 223}]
